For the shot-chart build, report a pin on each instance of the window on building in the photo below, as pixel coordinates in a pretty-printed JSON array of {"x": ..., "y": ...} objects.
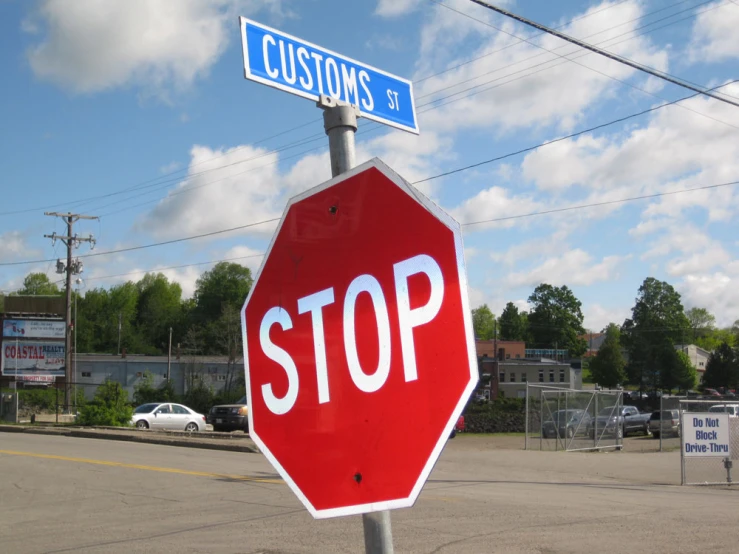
[
  {"x": 541, "y": 375},
  {"x": 86, "y": 374},
  {"x": 501, "y": 377},
  {"x": 518, "y": 355},
  {"x": 220, "y": 377},
  {"x": 513, "y": 377},
  {"x": 551, "y": 376},
  {"x": 524, "y": 378},
  {"x": 507, "y": 356},
  {"x": 561, "y": 375}
]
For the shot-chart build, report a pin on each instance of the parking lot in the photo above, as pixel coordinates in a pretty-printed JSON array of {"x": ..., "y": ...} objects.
[{"x": 63, "y": 494}]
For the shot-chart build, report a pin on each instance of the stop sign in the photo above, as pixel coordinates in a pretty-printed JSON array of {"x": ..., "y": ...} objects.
[{"x": 358, "y": 343}]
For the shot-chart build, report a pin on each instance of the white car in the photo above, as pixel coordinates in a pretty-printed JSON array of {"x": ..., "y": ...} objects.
[
  {"x": 731, "y": 409},
  {"x": 165, "y": 415}
]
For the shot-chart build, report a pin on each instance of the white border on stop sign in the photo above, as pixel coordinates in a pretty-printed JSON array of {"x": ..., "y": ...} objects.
[{"x": 454, "y": 226}]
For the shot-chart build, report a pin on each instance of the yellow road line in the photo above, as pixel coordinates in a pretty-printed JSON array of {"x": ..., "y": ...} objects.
[{"x": 143, "y": 467}]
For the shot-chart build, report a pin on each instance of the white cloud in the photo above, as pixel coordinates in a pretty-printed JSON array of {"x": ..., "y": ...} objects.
[
  {"x": 554, "y": 244},
  {"x": 240, "y": 185},
  {"x": 597, "y": 317},
  {"x": 557, "y": 96},
  {"x": 14, "y": 245},
  {"x": 160, "y": 45},
  {"x": 714, "y": 34},
  {"x": 716, "y": 291},
  {"x": 246, "y": 256},
  {"x": 676, "y": 150},
  {"x": 170, "y": 167},
  {"x": 395, "y": 8},
  {"x": 231, "y": 187},
  {"x": 493, "y": 203},
  {"x": 575, "y": 267}
]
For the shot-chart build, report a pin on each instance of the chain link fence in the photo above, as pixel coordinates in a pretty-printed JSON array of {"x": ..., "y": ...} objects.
[
  {"x": 571, "y": 420},
  {"x": 713, "y": 468}
]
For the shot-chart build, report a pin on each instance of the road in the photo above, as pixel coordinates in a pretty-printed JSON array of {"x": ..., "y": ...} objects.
[{"x": 61, "y": 494}]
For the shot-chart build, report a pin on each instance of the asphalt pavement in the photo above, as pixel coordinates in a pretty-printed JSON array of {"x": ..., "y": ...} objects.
[{"x": 69, "y": 494}]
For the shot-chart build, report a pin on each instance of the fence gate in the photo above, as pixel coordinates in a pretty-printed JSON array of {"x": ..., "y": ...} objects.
[
  {"x": 571, "y": 420},
  {"x": 707, "y": 468}
]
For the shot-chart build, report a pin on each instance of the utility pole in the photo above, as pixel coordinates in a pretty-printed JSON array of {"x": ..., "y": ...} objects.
[
  {"x": 71, "y": 241},
  {"x": 169, "y": 355}
]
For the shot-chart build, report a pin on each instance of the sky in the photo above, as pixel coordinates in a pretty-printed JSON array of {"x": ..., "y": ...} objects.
[{"x": 137, "y": 111}]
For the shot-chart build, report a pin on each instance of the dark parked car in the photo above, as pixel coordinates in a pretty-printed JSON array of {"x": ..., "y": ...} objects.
[
  {"x": 569, "y": 423},
  {"x": 230, "y": 417},
  {"x": 619, "y": 421},
  {"x": 666, "y": 421}
]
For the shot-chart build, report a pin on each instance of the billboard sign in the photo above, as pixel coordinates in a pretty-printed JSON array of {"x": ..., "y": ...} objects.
[
  {"x": 33, "y": 329},
  {"x": 32, "y": 358}
]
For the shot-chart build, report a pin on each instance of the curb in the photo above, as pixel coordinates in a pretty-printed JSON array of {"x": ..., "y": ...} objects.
[{"x": 130, "y": 437}]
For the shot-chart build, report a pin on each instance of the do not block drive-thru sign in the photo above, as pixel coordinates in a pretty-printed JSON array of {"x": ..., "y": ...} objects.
[
  {"x": 706, "y": 435},
  {"x": 358, "y": 343}
]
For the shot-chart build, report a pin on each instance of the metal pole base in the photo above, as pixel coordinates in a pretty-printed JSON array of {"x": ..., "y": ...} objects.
[
  {"x": 378, "y": 533},
  {"x": 340, "y": 123}
]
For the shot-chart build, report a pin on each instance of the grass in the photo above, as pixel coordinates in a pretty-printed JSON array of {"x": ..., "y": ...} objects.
[{"x": 587, "y": 376}]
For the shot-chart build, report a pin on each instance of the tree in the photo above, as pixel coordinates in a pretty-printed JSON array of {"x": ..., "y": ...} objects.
[
  {"x": 228, "y": 331},
  {"x": 608, "y": 365},
  {"x": 159, "y": 309},
  {"x": 513, "y": 324},
  {"x": 685, "y": 374},
  {"x": 701, "y": 321},
  {"x": 144, "y": 391},
  {"x": 227, "y": 283},
  {"x": 109, "y": 407},
  {"x": 38, "y": 284},
  {"x": 722, "y": 369},
  {"x": 657, "y": 323},
  {"x": 483, "y": 322},
  {"x": 712, "y": 339},
  {"x": 556, "y": 319}
]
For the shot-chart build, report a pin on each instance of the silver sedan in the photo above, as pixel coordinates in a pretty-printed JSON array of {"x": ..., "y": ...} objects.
[{"x": 165, "y": 415}]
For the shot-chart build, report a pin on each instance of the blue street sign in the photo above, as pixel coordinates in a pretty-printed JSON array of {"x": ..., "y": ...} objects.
[{"x": 282, "y": 61}]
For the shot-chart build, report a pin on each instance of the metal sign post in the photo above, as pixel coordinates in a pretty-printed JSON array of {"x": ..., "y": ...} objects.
[
  {"x": 341, "y": 87},
  {"x": 340, "y": 123}
]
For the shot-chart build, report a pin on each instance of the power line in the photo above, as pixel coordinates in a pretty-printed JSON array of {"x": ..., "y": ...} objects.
[
  {"x": 158, "y": 183},
  {"x": 605, "y": 53},
  {"x": 458, "y": 170},
  {"x": 597, "y": 204},
  {"x": 432, "y": 107},
  {"x": 571, "y": 135},
  {"x": 159, "y": 269},
  {"x": 566, "y": 57},
  {"x": 519, "y": 216}
]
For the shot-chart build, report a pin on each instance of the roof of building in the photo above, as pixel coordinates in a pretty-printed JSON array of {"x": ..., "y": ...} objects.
[{"x": 697, "y": 348}]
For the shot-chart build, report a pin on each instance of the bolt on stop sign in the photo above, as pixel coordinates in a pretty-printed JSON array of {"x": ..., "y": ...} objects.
[{"x": 358, "y": 342}]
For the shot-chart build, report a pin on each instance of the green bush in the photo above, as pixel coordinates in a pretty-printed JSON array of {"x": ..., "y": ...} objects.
[
  {"x": 504, "y": 415},
  {"x": 109, "y": 407},
  {"x": 199, "y": 397},
  {"x": 144, "y": 391},
  {"x": 44, "y": 400}
]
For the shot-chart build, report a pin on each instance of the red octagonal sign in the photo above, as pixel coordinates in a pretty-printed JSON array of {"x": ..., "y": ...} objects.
[{"x": 358, "y": 342}]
